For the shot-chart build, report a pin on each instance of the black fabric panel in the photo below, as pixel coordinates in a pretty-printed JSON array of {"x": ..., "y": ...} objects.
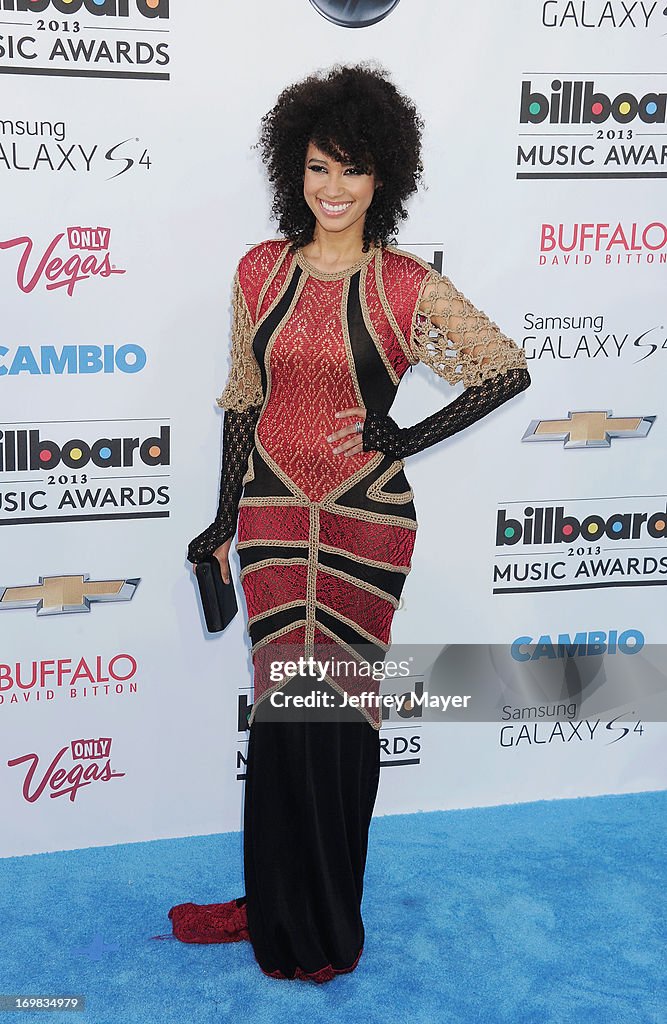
[
  {"x": 264, "y": 332},
  {"x": 356, "y": 496},
  {"x": 310, "y": 790},
  {"x": 259, "y": 551},
  {"x": 265, "y": 483},
  {"x": 377, "y": 388},
  {"x": 365, "y": 648},
  {"x": 391, "y": 582},
  {"x": 397, "y": 483},
  {"x": 277, "y": 620}
]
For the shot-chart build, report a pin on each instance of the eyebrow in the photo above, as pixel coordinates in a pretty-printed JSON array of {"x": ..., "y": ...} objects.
[{"x": 323, "y": 160}]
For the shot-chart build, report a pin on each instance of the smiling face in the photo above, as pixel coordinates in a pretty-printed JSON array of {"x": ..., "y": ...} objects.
[{"x": 338, "y": 194}]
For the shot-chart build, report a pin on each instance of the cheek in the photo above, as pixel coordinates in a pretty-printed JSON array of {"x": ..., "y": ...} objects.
[{"x": 369, "y": 192}]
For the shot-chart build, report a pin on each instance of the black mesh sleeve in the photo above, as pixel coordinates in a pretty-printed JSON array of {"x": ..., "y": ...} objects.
[
  {"x": 238, "y": 439},
  {"x": 382, "y": 433}
]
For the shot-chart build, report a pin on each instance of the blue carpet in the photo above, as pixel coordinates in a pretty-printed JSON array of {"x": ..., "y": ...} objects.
[{"x": 549, "y": 912}]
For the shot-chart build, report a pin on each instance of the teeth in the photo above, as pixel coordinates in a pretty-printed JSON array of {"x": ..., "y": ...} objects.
[{"x": 333, "y": 208}]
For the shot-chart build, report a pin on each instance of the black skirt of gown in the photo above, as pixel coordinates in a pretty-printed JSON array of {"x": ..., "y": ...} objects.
[{"x": 311, "y": 785}]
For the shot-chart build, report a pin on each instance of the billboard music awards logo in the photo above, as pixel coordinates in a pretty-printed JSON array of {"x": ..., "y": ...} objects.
[
  {"x": 44, "y": 147},
  {"x": 79, "y": 678},
  {"x": 78, "y": 38},
  {"x": 80, "y": 763},
  {"x": 580, "y": 544},
  {"x": 84, "y": 470},
  {"x": 586, "y": 337},
  {"x": 625, "y": 243},
  {"x": 72, "y": 256},
  {"x": 579, "y": 128}
]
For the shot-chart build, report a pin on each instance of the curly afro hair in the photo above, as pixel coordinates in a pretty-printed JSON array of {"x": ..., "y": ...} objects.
[{"x": 353, "y": 114}]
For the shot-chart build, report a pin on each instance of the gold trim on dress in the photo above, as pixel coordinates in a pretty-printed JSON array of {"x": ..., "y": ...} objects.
[
  {"x": 345, "y": 294},
  {"x": 388, "y": 311},
  {"x": 376, "y": 490},
  {"x": 273, "y": 611},
  {"x": 264, "y": 563},
  {"x": 334, "y": 275},
  {"x": 370, "y": 327},
  {"x": 331, "y": 549},
  {"x": 358, "y": 582},
  {"x": 250, "y": 471}
]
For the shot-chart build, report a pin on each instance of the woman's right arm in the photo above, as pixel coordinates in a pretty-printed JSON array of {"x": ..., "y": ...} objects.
[
  {"x": 242, "y": 401},
  {"x": 238, "y": 435}
]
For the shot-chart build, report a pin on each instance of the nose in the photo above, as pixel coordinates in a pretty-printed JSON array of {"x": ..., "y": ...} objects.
[{"x": 334, "y": 185}]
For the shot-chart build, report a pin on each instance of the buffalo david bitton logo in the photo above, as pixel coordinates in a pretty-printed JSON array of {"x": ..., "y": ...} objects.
[
  {"x": 59, "y": 595},
  {"x": 589, "y": 429}
]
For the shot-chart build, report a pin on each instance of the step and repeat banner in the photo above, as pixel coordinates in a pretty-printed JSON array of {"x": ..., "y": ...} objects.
[{"x": 130, "y": 189}]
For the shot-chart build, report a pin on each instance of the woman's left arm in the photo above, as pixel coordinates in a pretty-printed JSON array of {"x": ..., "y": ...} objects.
[{"x": 461, "y": 344}]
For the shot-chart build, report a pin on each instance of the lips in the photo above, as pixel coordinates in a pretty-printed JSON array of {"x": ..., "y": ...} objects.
[{"x": 334, "y": 209}]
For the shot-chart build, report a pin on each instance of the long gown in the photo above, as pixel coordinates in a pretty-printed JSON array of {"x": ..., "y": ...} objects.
[{"x": 325, "y": 543}]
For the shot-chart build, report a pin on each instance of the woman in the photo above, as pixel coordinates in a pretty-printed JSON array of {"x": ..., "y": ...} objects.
[{"x": 325, "y": 323}]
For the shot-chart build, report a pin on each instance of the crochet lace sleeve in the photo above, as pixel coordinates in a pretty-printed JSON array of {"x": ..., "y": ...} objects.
[
  {"x": 238, "y": 439},
  {"x": 244, "y": 384},
  {"x": 242, "y": 399},
  {"x": 461, "y": 344},
  {"x": 457, "y": 340}
]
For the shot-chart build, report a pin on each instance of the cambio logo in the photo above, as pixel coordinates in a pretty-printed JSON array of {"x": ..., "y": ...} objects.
[
  {"x": 580, "y": 103},
  {"x": 70, "y": 359},
  {"x": 581, "y": 645},
  {"x": 100, "y": 8}
]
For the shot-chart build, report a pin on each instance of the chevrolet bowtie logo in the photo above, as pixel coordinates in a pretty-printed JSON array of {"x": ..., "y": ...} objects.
[
  {"x": 589, "y": 429},
  {"x": 56, "y": 595}
]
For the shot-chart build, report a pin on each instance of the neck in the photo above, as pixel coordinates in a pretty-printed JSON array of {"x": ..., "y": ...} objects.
[{"x": 336, "y": 247}]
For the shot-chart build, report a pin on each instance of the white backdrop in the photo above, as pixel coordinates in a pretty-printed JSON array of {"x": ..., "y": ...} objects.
[{"x": 165, "y": 164}]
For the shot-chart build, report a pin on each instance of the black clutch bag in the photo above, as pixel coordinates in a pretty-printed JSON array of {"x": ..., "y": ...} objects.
[{"x": 217, "y": 597}]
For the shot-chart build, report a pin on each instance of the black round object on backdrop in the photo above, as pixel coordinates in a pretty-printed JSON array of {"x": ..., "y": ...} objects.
[{"x": 354, "y": 13}]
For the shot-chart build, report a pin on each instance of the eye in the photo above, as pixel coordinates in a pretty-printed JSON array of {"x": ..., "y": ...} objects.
[
  {"x": 316, "y": 167},
  {"x": 354, "y": 170}
]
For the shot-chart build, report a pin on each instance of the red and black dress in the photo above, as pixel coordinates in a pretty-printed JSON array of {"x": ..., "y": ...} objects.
[{"x": 325, "y": 543}]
